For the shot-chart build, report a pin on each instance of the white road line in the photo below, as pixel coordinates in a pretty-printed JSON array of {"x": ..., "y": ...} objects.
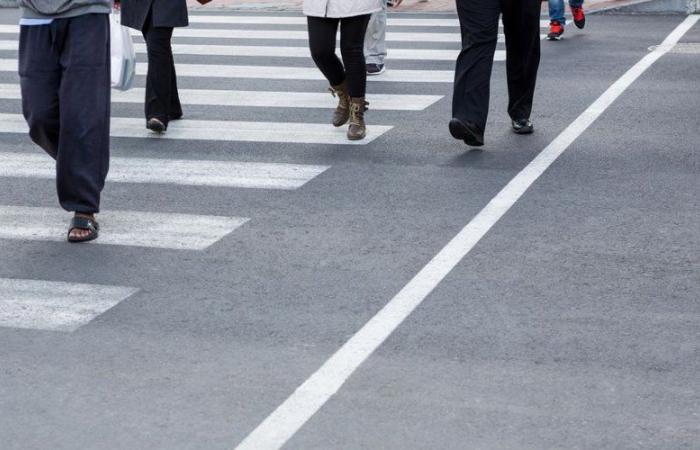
[
  {"x": 283, "y": 35},
  {"x": 271, "y": 99},
  {"x": 278, "y": 73},
  {"x": 219, "y": 130},
  {"x": 55, "y": 305},
  {"x": 231, "y": 174},
  {"x": 287, "y": 35},
  {"x": 125, "y": 228},
  {"x": 291, "y": 415},
  {"x": 288, "y": 20},
  {"x": 287, "y": 52}
]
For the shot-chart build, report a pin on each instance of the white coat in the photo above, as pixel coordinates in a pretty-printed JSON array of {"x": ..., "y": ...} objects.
[{"x": 340, "y": 8}]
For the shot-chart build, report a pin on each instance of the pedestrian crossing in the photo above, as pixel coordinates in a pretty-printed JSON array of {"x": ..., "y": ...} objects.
[{"x": 217, "y": 49}]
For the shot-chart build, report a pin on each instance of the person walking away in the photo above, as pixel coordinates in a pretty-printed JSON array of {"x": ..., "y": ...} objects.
[
  {"x": 479, "y": 25},
  {"x": 64, "y": 70},
  {"x": 557, "y": 20},
  {"x": 156, "y": 20},
  {"x": 348, "y": 79},
  {"x": 375, "y": 40}
]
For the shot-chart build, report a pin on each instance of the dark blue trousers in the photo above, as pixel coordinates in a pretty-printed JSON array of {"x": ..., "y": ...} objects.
[{"x": 64, "y": 72}]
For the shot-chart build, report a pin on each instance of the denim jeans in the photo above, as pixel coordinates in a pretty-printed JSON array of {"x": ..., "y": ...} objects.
[
  {"x": 556, "y": 9},
  {"x": 375, "y": 40}
]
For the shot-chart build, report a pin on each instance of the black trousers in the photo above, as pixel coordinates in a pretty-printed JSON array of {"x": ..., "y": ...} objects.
[
  {"x": 162, "y": 98},
  {"x": 479, "y": 23},
  {"x": 322, "y": 32},
  {"x": 64, "y": 73}
]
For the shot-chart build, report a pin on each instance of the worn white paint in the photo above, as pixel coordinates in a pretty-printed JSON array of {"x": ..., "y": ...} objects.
[{"x": 55, "y": 305}]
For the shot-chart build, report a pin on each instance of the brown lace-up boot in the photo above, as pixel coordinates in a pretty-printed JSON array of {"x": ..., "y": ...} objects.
[
  {"x": 357, "y": 129},
  {"x": 342, "y": 112}
]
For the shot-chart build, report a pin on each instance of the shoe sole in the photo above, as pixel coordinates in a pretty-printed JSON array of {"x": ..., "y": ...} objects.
[
  {"x": 372, "y": 74},
  {"x": 580, "y": 25},
  {"x": 460, "y": 131},
  {"x": 524, "y": 130},
  {"x": 156, "y": 127}
]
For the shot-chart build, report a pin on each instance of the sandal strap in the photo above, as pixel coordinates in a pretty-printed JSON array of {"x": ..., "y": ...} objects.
[{"x": 83, "y": 223}]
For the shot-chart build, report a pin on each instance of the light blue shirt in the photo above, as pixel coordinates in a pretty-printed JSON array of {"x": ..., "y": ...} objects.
[{"x": 34, "y": 22}]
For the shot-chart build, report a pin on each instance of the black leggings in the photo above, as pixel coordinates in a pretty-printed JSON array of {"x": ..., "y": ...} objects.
[{"x": 322, "y": 32}]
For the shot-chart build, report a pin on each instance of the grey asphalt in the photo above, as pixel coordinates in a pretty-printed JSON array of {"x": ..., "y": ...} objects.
[{"x": 574, "y": 323}]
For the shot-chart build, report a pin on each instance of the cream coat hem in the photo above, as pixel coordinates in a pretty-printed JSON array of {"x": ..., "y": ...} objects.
[{"x": 338, "y": 9}]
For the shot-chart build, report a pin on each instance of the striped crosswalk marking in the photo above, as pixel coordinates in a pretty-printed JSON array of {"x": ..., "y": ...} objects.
[
  {"x": 294, "y": 35},
  {"x": 266, "y": 99},
  {"x": 130, "y": 228},
  {"x": 55, "y": 305},
  {"x": 249, "y": 175},
  {"x": 287, "y": 52},
  {"x": 219, "y": 130},
  {"x": 278, "y": 72},
  {"x": 290, "y": 20}
]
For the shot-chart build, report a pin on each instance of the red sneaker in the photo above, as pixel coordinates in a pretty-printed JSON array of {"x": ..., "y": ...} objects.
[
  {"x": 556, "y": 29},
  {"x": 579, "y": 17}
]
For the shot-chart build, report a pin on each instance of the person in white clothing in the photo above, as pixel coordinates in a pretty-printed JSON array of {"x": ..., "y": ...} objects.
[{"x": 348, "y": 79}]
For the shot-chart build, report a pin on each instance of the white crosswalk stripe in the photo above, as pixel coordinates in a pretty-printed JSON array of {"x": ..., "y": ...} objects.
[
  {"x": 287, "y": 20},
  {"x": 54, "y": 305},
  {"x": 175, "y": 171},
  {"x": 406, "y": 54},
  {"x": 278, "y": 72},
  {"x": 130, "y": 228},
  {"x": 219, "y": 130},
  {"x": 267, "y": 99}
]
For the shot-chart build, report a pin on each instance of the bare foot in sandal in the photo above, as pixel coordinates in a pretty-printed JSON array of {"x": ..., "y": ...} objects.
[{"x": 83, "y": 228}]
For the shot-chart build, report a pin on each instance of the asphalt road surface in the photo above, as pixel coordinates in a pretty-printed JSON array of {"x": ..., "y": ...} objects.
[{"x": 242, "y": 250}]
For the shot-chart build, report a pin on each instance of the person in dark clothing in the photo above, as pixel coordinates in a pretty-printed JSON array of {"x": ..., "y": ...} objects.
[
  {"x": 156, "y": 19},
  {"x": 479, "y": 24},
  {"x": 64, "y": 69}
]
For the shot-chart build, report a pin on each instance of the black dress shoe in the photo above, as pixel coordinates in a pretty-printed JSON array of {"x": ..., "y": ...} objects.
[
  {"x": 156, "y": 125},
  {"x": 523, "y": 126},
  {"x": 467, "y": 131}
]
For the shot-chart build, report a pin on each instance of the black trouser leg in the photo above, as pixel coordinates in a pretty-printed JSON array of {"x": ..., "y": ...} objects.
[
  {"x": 65, "y": 73},
  {"x": 322, "y": 33},
  {"x": 479, "y": 25},
  {"x": 352, "y": 48},
  {"x": 521, "y": 22},
  {"x": 162, "y": 100},
  {"x": 40, "y": 78}
]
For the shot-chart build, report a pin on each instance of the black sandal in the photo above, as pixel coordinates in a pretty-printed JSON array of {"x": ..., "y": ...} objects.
[{"x": 83, "y": 223}]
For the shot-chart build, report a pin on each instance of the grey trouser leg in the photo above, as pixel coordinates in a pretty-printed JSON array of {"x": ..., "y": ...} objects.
[
  {"x": 375, "y": 40},
  {"x": 64, "y": 73}
]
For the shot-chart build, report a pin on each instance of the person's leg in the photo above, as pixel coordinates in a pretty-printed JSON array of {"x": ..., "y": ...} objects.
[
  {"x": 159, "y": 80},
  {"x": 375, "y": 38},
  {"x": 521, "y": 22},
  {"x": 83, "y": 149},
  {"x": 40, "y": 78},
  {"x": 575, "y": 3},
  {"x": 556, "y": 11},
  {"x": 479, "y": 25},
  {"x": 175, "y": 111},
  {"x": 322, "y": 33},
  {"x": 352, "y": 38}
]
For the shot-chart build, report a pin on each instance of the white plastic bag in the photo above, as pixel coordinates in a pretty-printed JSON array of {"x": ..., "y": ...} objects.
[{"x": 123, "y": 55}]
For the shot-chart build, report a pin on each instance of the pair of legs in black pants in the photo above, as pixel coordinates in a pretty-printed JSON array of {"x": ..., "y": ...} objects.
[
  {"x": 479, "y": 23},
  {"x": 322, "y": 32},
  {"x": 162, "y": 99}
]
